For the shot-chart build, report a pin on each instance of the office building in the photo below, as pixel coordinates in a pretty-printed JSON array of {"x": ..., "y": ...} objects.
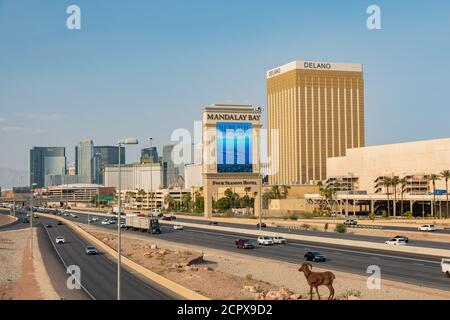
[
  {"x": 136, "y": 176},
  {"x": 46, "y": 161},
  {"x": 315, "y": 111},
  {"x": 173, "y": 161},
  {"x": 84, "y": 161},
  {"x": 104, "y": 156}
]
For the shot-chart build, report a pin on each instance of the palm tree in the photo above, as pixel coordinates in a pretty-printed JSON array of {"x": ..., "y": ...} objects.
[
  {"x": 387, "y": 182},
  {"x": 395, "y": 181},
  {"x": 446, "y": 175},
  {"x": 403, "y": 183},
  {"x": 433, "y": 178}
]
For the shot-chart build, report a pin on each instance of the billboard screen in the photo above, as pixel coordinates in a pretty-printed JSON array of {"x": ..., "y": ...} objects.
[{"x": 234, "y": 147}]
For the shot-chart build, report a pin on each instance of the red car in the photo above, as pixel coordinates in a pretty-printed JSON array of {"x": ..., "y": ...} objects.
[
  {"x": 244, "y": 244},
  {"x": 263, "y": 225}
]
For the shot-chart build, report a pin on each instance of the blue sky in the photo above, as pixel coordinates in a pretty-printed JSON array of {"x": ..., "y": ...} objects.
[{"x": 145, "y": 68}]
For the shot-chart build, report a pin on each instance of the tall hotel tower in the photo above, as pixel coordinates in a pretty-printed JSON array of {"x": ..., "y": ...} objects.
[{"x": 318, "y": 110}]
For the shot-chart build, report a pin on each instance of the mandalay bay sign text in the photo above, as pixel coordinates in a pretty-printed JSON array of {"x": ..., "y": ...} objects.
[{"x": 233, "y": 117}]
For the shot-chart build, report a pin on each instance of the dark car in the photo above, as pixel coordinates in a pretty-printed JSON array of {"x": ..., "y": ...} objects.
[
  {"x": 166, "y": 218},
  {"x": 244, "y": 244},
  {"x": 315, "y": 257},
  {"x": 25, "y": 220},
  {"x": 263, "y": 225},
  {"x": 213, "y": 223},
  {"x": 403, "y": 238},
  {"x": 49, "y": 225},
  {"x": 59, "y": 223}
]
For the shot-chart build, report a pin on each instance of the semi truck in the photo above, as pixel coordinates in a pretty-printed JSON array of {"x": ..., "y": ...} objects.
[{"x": 142, "y": 223}]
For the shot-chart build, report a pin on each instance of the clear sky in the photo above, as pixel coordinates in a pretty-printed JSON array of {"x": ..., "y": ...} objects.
[{"x": 144, "y": 68}]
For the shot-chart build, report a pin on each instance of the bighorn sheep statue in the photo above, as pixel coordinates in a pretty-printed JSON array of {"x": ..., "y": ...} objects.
[{"x": 316, "y": 279}]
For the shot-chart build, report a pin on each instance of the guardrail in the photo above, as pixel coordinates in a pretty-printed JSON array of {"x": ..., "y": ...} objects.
[{"x": 365, "y": 227}]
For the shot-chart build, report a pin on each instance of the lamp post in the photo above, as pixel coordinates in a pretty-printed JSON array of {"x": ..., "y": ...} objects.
[
  {"x": 151, "y": 178},
  {"x": 33, "y": 186},
  {"x": 119, "y": 240}
]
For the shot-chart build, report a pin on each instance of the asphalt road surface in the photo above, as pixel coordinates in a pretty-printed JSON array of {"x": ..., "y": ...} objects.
[
  {"x": 98, "y": 272},
  {"x": 409, "y": 268}
]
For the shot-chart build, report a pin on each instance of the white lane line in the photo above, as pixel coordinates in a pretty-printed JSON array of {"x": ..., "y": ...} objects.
[
  {"x": 65, "y": 265},
  {"x": 329, "y": 248}
]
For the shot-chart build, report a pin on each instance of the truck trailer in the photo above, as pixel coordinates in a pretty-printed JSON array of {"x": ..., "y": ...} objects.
[{"x": 142, "y": 224}]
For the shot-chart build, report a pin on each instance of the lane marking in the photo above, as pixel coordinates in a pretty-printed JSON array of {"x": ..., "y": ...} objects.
[{"x": 65, "y": 265}]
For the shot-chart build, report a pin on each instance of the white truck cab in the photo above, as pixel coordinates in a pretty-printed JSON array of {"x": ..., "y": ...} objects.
[{"x": 445, "y": 266}]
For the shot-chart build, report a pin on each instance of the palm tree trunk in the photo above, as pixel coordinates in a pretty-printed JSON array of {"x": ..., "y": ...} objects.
[
  {"x": 388, "y": 205},
  {"x": 446, "y": 195}
]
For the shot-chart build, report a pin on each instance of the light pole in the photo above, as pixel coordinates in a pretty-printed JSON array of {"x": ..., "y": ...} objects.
[
  {"x": 119, "y": 240},
  {"x": 151, "y": 179},
  {"x": 33, "y": 186}
]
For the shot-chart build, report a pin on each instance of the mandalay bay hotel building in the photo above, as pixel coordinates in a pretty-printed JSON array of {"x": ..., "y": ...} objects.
[{"x": 316, "y": 110}]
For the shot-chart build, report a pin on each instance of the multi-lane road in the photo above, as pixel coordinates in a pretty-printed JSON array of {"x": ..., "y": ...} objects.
[
  {"x": 409, "y": 268},
  {"x": 98, "y": 272}
]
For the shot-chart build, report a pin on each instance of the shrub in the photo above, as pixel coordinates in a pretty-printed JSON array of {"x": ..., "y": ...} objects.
[
  {"x": 305, "y": 226},
  {"x": 210, "y": 269},
  {"x": 341, "y": 228},
  {"x": 372, "y": 216},
  {"x": 384, "y": 214},
  {"x": 249, "y": 277},
  {"x": 293, "y": 217}
]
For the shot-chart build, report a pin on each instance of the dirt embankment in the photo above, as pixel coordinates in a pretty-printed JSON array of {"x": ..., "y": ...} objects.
[
  {"x": 6, "y": 219},
  {"x": 226, "y": 275},
  {"x": 22, "y": 277}
]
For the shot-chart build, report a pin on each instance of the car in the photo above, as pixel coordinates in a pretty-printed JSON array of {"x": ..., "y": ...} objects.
[
  {"x": 106, "y": 221},
  {"x": 265, "y": 241},
  {"x": 49, "y": 225},
  {"x": 350, "y": 222},
  {"x": 173, "y": 217},
  {"x": 427, "y": 227},
  {"x": 445, "y": 266},
  {"x": 314, "y": 256},
  {"x": 123, "y": 225},
  {"x": 178, "y": 227},
  {"x": 213, "y": 223},
  {"x": 263, "y": 225},
  {"x": 92, "y": 219},
  {"x": 65, "y": 214},
  {"x": 244, "y": 244},
  {"x": 60, "y": 239},
  {"x": 402, "y": 238},
  {"x": 25, "y": 220},
  {"x": 73, "y": 215},
  {"x": 91, "y": 250},
  {"x": 396, "y": 241},
  {"x": 165, "y": 218},
  {"x": 279, "y": 240},
  {"x": 59, "y": 223}
]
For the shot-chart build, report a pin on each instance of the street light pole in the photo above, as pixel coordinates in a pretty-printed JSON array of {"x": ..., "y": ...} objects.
[
  {"x": 119, "y": 239},
  {"x": 151, "y": 179}
]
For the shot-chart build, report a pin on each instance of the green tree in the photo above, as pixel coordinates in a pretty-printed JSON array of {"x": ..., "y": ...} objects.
[
  {"x": 446, "y": 175},
  {"x": 387, "y": 181},
  {"x": 169, "y": 201},
  {"x": 433, "y": 178},
  {"x": 223, "y": 204},
  {"x": 199, "y": 204},
  {"x": 186, "y": 201},
  {"x": 394, "y": 182}
]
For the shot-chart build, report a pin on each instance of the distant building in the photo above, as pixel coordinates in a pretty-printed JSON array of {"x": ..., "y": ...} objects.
[
  {"x": 172, "y": 167},
  {"x": 149, "y": 155},
  {"x": 136, "y": 176},
  {"x": 84, "y": 161},
  {"x": 46, "y": 161},
  {"x": 104, "y": 156},
  {"x": 71, "y": 169}
]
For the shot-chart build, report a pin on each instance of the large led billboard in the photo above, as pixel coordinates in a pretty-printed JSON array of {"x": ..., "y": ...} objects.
[{"x": 234, "y": 147}]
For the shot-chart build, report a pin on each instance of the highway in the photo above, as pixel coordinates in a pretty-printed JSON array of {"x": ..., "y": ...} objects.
[
  {"x": 98, "y": 272},
  {"x": 409, "y": 268}
]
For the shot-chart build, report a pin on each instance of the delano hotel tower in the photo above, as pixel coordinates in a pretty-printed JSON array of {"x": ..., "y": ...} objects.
[{"x": 318, "y": 110}]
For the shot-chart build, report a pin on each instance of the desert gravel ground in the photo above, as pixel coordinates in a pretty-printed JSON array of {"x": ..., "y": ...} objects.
[{"x": 21, "y": 276}]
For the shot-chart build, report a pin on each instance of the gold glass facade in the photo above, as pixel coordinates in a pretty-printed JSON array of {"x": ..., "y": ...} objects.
[{"x": 318, "y": 113}]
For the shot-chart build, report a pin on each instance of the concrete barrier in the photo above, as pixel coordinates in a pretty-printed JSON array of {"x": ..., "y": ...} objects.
[{"x": 164, "y": 282}]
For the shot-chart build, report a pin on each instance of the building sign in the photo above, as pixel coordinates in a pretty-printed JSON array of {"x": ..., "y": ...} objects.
[
  {"x": 226, "y": 183},
  {"x": 234, "y": 146},
  {"x": 317, "y": 65},
  {"x": 233, "y": 117}
]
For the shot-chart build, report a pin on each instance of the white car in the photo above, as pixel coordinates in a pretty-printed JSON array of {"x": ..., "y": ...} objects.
[
  {"x": 59, "y": 240},
  {"x": 73, "y": 215},
  {"x": 427, "y": 227},
  {"x": 396, "y": 241},
  {"x": 279, "y": 240},
  {"x": 265, "y": 241},
  {"x": 106, "y": 221},
  {"x": 445, "y": 266},
  {"x": 123, "y": 225},
  {"x": 94, "y": 219},
  {"x": 178, "y": 227}
]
